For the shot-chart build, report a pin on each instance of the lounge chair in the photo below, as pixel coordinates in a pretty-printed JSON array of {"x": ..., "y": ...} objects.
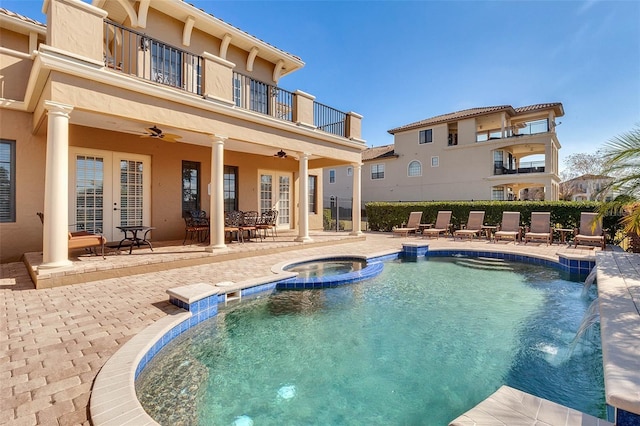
[
  {"x": 443, "y": 222},
  {"x": 473, "y": 227},
  {"x": 540, "y": 228},
  {"x": 509, "y": 228},
  {"x": 587, "y": 233},
  {"x": 84, "y": 239},
  {"x": 413, "y": 224}
]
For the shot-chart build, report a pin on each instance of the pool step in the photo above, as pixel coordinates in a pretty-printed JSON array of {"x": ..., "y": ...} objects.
[{"x": 484, "y": 263}]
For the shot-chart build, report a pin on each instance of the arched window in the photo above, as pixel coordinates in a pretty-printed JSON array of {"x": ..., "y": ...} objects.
[{"x": 415, "y": 168}]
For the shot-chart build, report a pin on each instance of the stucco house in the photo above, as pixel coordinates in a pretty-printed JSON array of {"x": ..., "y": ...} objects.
[
  {"x": 588, "y": 187},
  {"x": 487, "y": 153},
  {"x": 130, "y": 113}
]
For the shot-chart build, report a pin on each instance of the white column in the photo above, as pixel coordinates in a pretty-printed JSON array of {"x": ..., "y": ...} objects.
[
  {"x": 355, "y": 205},
  {"x": 303, "y": 199},
  {"x": 216, "y": 203},
  {"x": 55, "y": 245}
]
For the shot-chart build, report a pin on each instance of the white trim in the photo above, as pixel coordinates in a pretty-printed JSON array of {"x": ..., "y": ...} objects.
[{"x": 437, "y": 161}]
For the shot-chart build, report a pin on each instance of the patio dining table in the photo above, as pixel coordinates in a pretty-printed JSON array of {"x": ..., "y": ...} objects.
[{"x": 132, "y": 238}]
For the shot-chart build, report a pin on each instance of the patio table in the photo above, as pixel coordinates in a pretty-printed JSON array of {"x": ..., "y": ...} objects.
[{"x": 131, "y": 236}]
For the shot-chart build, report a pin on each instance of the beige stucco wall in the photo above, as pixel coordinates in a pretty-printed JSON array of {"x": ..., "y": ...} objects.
[
  {"x": 24, "y": 235},
  {"x": 465, "y": 171},
  {"x": 14, "y": 67}
]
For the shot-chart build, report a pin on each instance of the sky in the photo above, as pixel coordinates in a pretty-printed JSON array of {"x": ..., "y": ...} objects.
[{"x": 397, "y": 62}]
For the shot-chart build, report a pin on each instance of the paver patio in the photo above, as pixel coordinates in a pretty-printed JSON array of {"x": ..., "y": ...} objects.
[{"x": 55, "y": 340}]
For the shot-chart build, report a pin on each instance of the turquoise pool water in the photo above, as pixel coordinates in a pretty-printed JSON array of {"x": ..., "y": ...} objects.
[{"x": 419, "y": 344}]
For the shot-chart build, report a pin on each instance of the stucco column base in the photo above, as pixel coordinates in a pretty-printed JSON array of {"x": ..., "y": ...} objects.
[
  {"x": 303, "y": 239},
  {"x": 217, "y": 248},
  {"x": 355, "y": 233},
  {"x": 59, "y": 265}
]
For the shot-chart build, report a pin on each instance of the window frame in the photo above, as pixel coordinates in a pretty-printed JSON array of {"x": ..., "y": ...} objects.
[
  {"x": 378, "y": 174},
  {"x": 188, "y": 165},
  {"x": 11, "y": 211},
  {"x": 425, "y": 136},
  {"x": 332, "y": 176},
  {"x": 226, "y": 191},
  {"x": 312, "y": 186},
  {"x": 349, "y": 171},
  {"x": 435, "y": 161},
  {"x": 419, "y": 164}
]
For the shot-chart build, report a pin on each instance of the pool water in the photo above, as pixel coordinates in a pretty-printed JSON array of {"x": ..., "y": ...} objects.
[
  {"x": 326, "y": 268},
  {"x": 420, "y": 344}
]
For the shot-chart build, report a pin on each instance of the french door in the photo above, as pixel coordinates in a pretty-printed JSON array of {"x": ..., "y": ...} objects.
[
  {"x": 275, "y": 194},
  {"x": 108, "y": 189}
]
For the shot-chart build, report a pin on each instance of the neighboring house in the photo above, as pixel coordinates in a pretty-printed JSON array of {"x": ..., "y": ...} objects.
[
  {"x": 131, "y": 113},
  {"x": 490, "y": 153},
  {"x": 587, "y": 188}
]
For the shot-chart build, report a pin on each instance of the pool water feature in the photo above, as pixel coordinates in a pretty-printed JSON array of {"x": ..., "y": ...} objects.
[
  {"x": 327, "y": 267},
  {"x": 420, "y": 344}
]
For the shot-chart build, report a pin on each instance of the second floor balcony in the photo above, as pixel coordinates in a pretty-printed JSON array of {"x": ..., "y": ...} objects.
[
  {"x": 133, "y": 53},
  {"x": 501, "y": 168}
]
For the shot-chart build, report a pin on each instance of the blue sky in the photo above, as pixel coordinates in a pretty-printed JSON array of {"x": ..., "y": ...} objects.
[{"x": 396, "y": 62}]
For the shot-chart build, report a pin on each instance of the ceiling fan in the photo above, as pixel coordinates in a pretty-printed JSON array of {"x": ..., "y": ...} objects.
[
  {"x": 155, "y": 132},
  {"x": 280, "y": 154}
]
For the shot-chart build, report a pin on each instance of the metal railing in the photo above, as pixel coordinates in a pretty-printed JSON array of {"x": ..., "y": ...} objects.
[
  {"x": 524, "y": 167},
  {"x": 264, "y": 98},
  {"x": 139, "y": 55},
  {"x": 530, "y": 127},
  {"x": 329, "y": 119}
]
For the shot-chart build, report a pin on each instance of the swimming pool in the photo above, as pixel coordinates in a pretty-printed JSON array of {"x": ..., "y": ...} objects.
[{"x": 419, "y": 344}]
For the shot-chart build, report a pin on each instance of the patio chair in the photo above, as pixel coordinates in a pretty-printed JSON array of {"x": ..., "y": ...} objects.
[
  {"x": 473, "y": 227},
  {"x": 590, "y": 230},
  {"x": 196, "y": 226},
  {"x": 509, "y": 228},
  {"x": 442, "y": 225},
  {"x": 249, "y": 225},
  {"x": 267, "y": 222},
  {"x": 232, "y": 222},
  {"x": 540, "y": 228},
  {"x": 89, "y": 241},
  {"x": 413, "y": 224}
]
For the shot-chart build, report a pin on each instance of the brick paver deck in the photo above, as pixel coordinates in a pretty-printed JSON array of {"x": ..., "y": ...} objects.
[{"x": 54, "y": 341}]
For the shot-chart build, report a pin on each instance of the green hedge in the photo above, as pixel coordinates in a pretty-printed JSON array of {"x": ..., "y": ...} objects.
[{"x": 384, "y": 216}]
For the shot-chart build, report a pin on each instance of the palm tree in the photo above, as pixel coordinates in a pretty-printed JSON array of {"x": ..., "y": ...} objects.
[{"x": 622, "y": 162}]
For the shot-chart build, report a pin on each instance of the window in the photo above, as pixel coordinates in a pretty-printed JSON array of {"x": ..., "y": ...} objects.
[
  {"x": 332, "y": 176},
  {"x": 190, "y": 186},
  {"x": 426, "y": 136},
  {"x": 166, "y": 64},
  {"x": 349, "y": 171},
  {"x": 415, "y": 168},
  {"x": 497, "y": 193},
  {"x": 7, "y": 181},
  {"x": 237, "y": 89},
  {"x": 230, "y": 188},
  {"x": 453, "y": 139},
  {"x": 259, "y": 96},
  {"x": 313, "y": 194},
  {"x": 377, "y": 171},
  {"x": 435, "y": 161}
]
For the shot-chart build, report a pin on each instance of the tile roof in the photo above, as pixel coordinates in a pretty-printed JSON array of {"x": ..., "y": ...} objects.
[
  {"x": 378, "y": 152},
  {"x": 474, "y": 112},
  {"x": 21, "y": 17}
]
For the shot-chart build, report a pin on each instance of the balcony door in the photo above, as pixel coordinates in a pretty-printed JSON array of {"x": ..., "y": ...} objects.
[
  {"x": 275, "y": 194},
  {"x": 108, "y": 189}
]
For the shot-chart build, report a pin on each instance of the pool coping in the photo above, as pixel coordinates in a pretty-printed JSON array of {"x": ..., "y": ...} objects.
[
  {"x": 114, "y": 400},
  {"x": 619, "y": 303}
]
